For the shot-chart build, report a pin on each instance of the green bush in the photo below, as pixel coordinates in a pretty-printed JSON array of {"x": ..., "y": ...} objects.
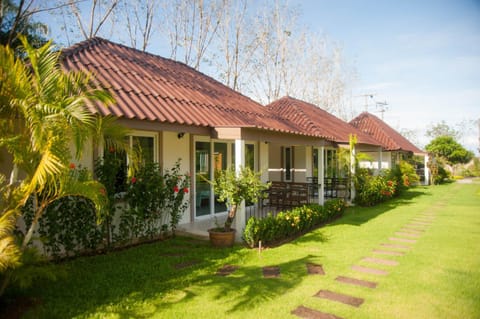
[
  {"x": 375, "y": 189},
  {"x": 290, "y": 223}
]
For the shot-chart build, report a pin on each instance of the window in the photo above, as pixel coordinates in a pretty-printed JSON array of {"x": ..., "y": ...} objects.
[
  {"x": 146, "y": 146},
  {"x": 287, "y": 160}
]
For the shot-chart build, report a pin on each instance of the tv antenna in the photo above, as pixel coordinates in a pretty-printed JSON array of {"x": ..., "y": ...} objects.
[
  {"x": 381, "y": 107},
  {"x": 366, "y": 96}
]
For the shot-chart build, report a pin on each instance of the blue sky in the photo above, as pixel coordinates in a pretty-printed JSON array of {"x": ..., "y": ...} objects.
[{"x": 421, "y": 57}]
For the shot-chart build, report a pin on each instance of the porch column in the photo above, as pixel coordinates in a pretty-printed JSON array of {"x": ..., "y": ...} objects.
[
  {"x": 352, "y": 173},
  {"x": 308, "y": 161},
  {"x": 240, "y": 218},
  {"x": 263, "y": 161},
  {"x": 321, "y": 176},
  {"x": 380, "y": 160},
  {"x": 426, "y": 170}
]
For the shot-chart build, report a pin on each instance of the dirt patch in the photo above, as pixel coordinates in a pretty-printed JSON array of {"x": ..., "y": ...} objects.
[
  {"x": 308, "y": 313},
  {"x": 226, "y": 270},
  {"x": 388, "y": 252},
  {"x": 186, "y": 264},
  {"x": 315, "y": 269},
  {"x": 368, "y": 270},
  {"x": 381, "y": 261},
  {"x": 335, "y": 296},
  {"x": 271, "y": 272},
  {"x": 356, "y": 282}
]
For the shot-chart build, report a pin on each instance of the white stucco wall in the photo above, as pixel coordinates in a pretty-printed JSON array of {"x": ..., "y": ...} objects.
[{"x": 174, "y": 148}]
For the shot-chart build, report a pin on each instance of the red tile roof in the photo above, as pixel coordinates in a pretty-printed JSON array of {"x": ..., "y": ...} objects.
[
  {"x": 314, "y": 119},
  {"x": 390, "y": 139},
  {"x": 149, "y": 87}
]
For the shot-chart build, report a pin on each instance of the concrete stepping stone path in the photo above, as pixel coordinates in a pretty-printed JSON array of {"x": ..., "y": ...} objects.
[
  {"x": 271, "y": 272},
  {"x": 406, "y": 234},
  {"x": 308, "y": 313},
  {"x": 315, "y": 269},
  {"x": 380, "y": 261},
  {"x": 335, "y": 296},
  {"x": 403, "y": 240},
  {"x": 226, "y": 270},
  {"x": 388, "y": 252},
  {"x": 368, "y": 270},
  {"x": 395, "y": 246},
  {"x": 356, "y": 282}
]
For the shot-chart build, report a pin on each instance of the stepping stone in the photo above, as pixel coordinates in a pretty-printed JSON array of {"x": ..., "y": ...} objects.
[
  {"x": 186, "y": 264},
  {"x": 408, "y": 234},
  {"x": 271, "y": 272},
  {"x": 356, "y": 282},
  {"x": 388, "y": 252},
  {"x": 172, "y": 255},
  {"x": 315, "y": 269},
  {"x": 403, "y": 240},
  {"x": 381, "y": 261},
  {"x": 335, "y": 296},
  {"x": 416, "y": 222},
  {"x": 395, "y": 246},
  {"x": 368, "y": 270},
  {"x": 412, "y": 230},
  {"x": 226, "y": 270},
  {"x": 308, "y": 313}
]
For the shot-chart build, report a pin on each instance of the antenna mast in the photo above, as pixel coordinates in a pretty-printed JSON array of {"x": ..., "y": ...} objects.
[{"x": 382, "y": 107}]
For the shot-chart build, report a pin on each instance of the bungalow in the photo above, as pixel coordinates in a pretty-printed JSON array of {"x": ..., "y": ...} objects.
[
  {"x": 302, "y": 163},
  {"x": 177, "y": 112},
  {"x": 395, "y": 146}
]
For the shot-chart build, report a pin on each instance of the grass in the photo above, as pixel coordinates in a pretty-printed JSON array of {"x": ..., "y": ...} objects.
[{"x": 439, "y": 277}]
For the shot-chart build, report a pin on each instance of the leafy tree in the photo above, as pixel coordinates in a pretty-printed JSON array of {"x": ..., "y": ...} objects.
[
  {"x": 17, "y": 19},
  {"x": 43, "y": 113},
  {"x": 443, "y": 129},
  {"x": 449, "y": 149}
]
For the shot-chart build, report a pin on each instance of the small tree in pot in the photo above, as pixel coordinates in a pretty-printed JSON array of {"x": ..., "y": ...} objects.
[{"x": 234, "y": 188}]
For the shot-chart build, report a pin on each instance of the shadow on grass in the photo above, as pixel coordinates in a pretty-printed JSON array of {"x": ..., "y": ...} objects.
[
  {"x": 120, "y": 282},
  {"x": 247, "y": 289},
  {"x": 358, "y": 215}
]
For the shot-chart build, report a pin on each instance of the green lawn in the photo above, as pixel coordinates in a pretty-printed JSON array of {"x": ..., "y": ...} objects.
[{"x": 439, "y": 277}]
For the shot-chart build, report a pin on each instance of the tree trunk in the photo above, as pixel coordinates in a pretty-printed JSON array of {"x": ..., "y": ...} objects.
[{"x": 231, "y": 215}]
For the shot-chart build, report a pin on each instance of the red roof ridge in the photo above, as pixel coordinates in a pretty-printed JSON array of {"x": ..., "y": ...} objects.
[{"x": 383, "y": 133}]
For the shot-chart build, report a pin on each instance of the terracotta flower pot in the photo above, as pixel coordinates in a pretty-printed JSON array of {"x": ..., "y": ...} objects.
[{"x": 221, "y": 238}]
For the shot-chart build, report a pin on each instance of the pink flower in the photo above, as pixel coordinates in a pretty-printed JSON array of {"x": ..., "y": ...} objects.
[
  {"x": 72, "y": 165},
  {"x": 176, "y": 189},
  {"x": 134, "y": 180}
]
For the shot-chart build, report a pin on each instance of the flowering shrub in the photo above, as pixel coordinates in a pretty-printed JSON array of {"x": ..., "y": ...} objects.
[
  {"x": 373, "y": 189},
  {"x": 290, "y": 223},
  {"x": 152, "y": 195}
]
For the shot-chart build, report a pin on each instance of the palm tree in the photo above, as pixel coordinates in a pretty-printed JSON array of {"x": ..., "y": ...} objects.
[{"x": 42, "y": 114}]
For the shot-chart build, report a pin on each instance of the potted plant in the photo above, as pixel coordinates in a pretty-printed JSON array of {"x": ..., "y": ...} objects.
[{"x": 233, "y": 189}]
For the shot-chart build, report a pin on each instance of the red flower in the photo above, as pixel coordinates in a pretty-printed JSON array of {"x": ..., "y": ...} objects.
[
  {"x": 72, "y": 165},
  {"x": 111, "y": 149},
  {"x": 134, "y": 180},
  {"x": 185, "y": 190},
  {"x": 103, "y": 191},
  {"x": 389, "y": 183},
  {"x": 176, "y": 189}
]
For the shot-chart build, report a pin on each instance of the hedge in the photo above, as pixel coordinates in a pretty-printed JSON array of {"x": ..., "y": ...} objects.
[{"x": 296, "y": 221}]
